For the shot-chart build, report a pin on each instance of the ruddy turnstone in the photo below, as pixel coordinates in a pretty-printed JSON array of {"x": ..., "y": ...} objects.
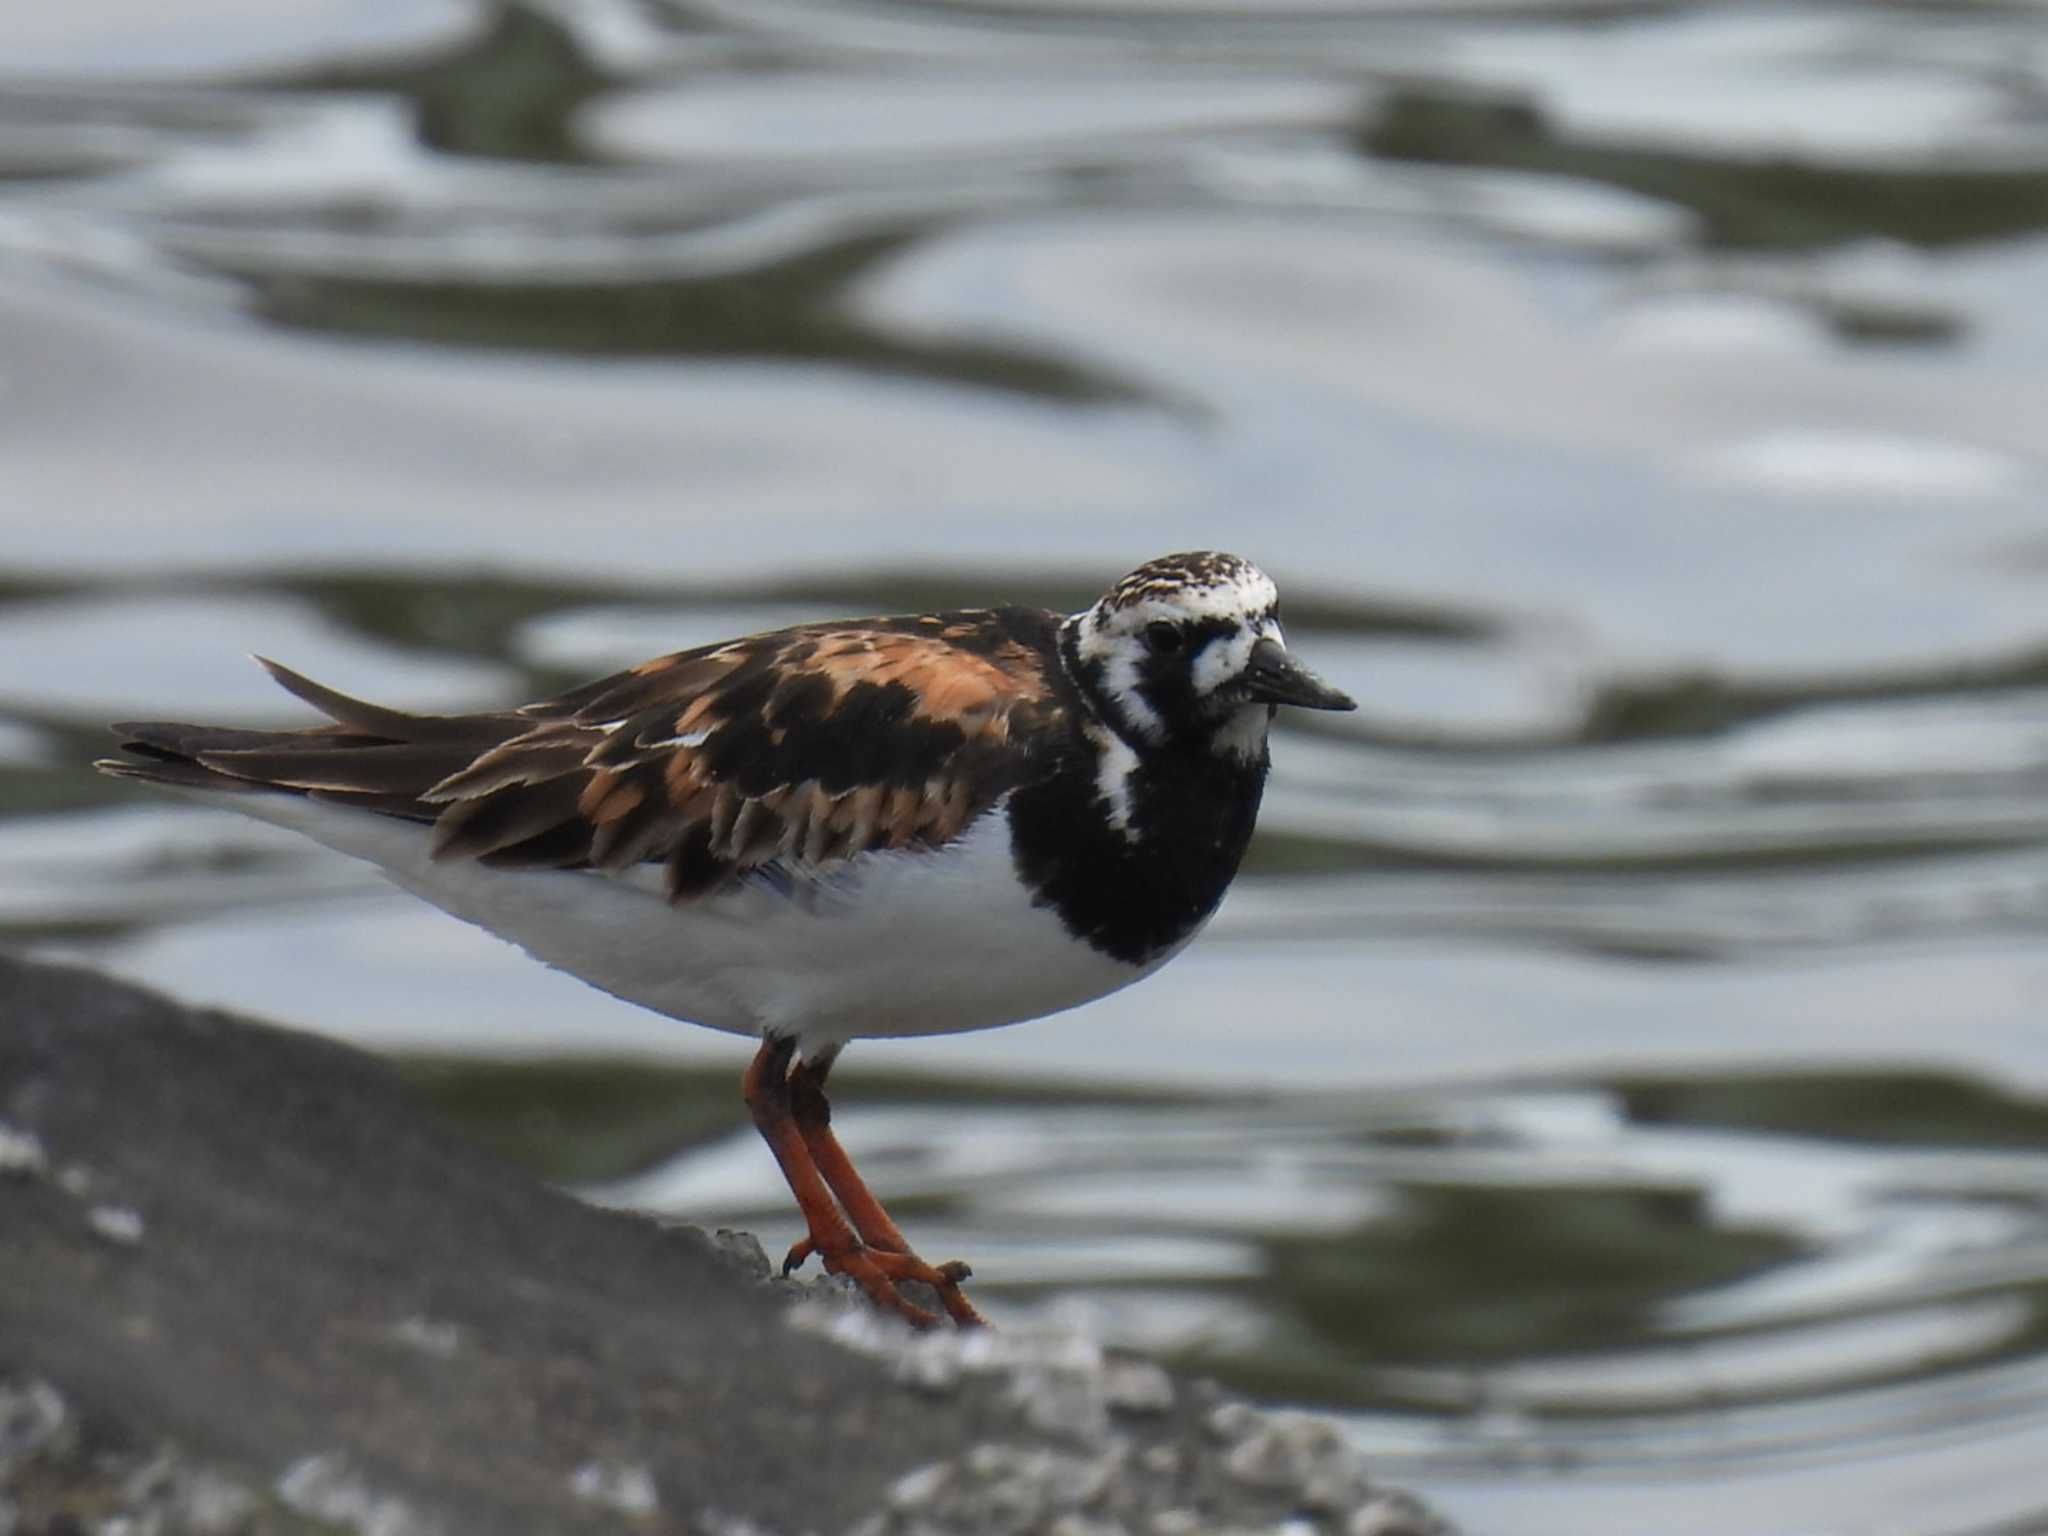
[{"x": 893, "y": 826}]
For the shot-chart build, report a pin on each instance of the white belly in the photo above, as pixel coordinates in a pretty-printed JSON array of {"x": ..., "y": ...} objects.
[{"x": 909, "y": 943}]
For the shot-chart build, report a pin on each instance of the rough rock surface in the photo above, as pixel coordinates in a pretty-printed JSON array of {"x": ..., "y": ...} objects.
[{"x": 246, "y": 1288}]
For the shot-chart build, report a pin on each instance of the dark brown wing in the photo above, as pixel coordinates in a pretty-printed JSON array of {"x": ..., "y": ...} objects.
[
  {"x": 801, "y": 747},
  {"x": 370, "y": 758}
]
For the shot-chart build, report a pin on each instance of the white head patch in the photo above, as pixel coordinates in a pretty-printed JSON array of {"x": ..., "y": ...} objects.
[
  {"x": 1116, "y": 762},
  {"x": 1206, "y": 585},
  {"x": 1227, "y": 655},
  {"x": 1186, "y": 591}
]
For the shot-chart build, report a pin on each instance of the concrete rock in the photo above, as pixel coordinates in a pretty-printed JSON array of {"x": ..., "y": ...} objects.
[{"x": 300, "y": 1299}]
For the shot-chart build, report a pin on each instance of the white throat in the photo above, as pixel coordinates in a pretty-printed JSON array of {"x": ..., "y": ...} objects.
[{"x": 1243, "y": 735}]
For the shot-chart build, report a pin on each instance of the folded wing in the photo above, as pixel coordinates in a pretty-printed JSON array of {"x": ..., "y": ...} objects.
[{"x": 800, "y": 748}]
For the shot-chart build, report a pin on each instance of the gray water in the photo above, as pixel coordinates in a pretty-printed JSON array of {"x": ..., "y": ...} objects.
[{"x": 1616, "y": 1085}]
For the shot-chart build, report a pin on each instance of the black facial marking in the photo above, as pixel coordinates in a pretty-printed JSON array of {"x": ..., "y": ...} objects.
[
  {"x": 1166, "y": 679},
  {"x": 1191, "y": 815},
  {"x": 1132, "y": 897}
]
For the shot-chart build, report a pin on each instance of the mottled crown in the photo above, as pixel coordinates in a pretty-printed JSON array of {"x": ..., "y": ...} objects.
[{"x": 1241, "y": 586}]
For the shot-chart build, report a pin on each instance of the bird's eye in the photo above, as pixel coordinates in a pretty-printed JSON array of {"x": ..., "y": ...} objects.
[{"x": 1162, "y": 638}]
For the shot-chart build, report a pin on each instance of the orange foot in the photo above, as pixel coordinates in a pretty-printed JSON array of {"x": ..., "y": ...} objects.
[
  {"x": 879, "y": 1271},
  {"x": 789, "y": 1109}
]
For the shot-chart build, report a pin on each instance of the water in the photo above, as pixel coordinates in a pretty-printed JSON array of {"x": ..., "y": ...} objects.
[{"x": 1616, "y": 1085}]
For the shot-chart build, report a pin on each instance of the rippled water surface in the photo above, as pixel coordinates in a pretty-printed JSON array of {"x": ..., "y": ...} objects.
[{"x": 1617, "y": 1082}]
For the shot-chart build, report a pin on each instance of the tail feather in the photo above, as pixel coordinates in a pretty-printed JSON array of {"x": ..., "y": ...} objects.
[
  {"x": 378, "y": 768},
  {"x": 376, "y": 719},
  {"x": 173, "y": 752},
  {"x": 177, "y": 738},
  {"x": 370, "y": 757},
  {"x": 173, "y": 772}
]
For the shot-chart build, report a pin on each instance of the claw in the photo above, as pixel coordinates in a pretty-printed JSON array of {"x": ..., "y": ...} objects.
[
  {"x": 864, "y": 1265},
  {"x": 879, "y": 1272}
]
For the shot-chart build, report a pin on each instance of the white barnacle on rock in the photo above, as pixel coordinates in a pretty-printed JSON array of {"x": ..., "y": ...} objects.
[
  {"x": 861, "y": 1329},
  {"x": 33, "y": 1417},
  {"x": 918, "y": 1490},
  {"x": 933, "y": 1363},
  {"x": 1393, "y": 1514},
  {"x": 116, "y": 1223},
  {"x": 1234, "y": 1420},
  {"x": 21, "y": 1153},
  {"x": 327, "y": 1487},
  {"x": 1071, "y": 1524},
  {"x": 1056, "y": 1375},
  {"x": 1136, "y": 1387},
  {"x": 1162, "y": 1460},
  {"x": 712, "y": 1522},
  {"x": 209, "y": 1503},
  {"x": 167, "y": 1493},
  {"x": 1061, "y": 1401},
  {"x": 441, "y": 1340},
  {"x": 1299, "y": 1454},
  {"x": 1104, "y": 1475},
  {"x": 625, "y": 1486}
]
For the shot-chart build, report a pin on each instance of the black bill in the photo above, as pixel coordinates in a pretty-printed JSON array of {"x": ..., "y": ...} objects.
[{"x": 1274, "y": 677}]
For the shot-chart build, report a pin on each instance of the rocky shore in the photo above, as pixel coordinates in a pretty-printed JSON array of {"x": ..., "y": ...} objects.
[{"x": 247, "y": 1287}]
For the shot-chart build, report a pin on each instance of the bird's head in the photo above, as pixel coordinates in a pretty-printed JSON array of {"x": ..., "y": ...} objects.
[{"x": 1187, "y": 650}]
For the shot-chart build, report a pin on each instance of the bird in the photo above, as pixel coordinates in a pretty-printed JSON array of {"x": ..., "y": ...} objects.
[{"x": 850, "y": 829}]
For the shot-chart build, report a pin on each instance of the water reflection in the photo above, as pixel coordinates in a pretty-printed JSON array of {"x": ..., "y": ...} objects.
[
  {"x": 1616, "y": 1081},
  {"x": 1663, "y": 1273}
]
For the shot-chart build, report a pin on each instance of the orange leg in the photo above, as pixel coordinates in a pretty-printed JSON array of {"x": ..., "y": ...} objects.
[
  {"x": 767, "y": 1087},
  {"x": 813, "y": 1116}
]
